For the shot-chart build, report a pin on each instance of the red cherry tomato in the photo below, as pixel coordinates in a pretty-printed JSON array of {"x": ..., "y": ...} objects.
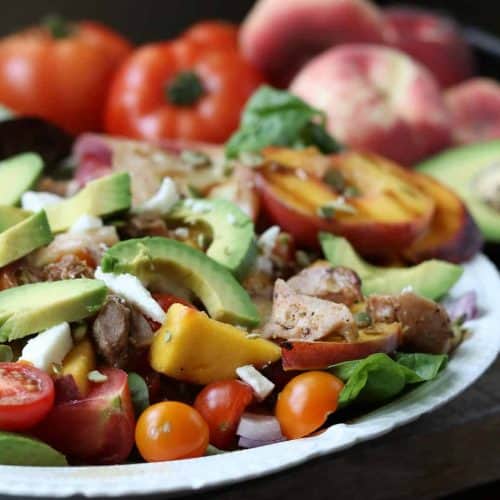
[
  {"x": 214, "y": 34},
  {"x": 97, "y": 429},
  {"x": 26, "y": 396},
  {"x": 166, "y": 300},
  {"x": 221, "y": 404}
]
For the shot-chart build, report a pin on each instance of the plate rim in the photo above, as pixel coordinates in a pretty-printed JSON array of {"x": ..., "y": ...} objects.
[{"x": 174, "y": 478}]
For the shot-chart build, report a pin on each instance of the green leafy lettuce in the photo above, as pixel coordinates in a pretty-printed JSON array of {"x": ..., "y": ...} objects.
[
  {"x": 277, "y": 118},
  {"x": 379, "y": 378}
]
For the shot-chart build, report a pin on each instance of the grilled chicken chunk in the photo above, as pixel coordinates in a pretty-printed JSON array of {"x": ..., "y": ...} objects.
[
  {"x": 322, "y": 280},
  {"x": 426, "y": 324},
  {"x": 302, "y": 317}
]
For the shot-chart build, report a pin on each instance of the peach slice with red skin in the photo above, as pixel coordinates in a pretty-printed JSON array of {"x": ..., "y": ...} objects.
[
  {"x": 279, "y": 36},
  {"x": 475, "y": 110},
  {"x": 387, "y": 214},
  {"x": 377, "y": 99},
  {"x": 452, "y": 234},
  {"x": 317, "y": 355},
  {"x": 433, "y": 40}
]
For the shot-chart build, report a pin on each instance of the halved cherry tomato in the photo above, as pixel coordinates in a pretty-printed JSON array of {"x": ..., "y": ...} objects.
[
  {"x": 61, "y": 72},
  {"x": 180, "y": 90},
  {"x": 306, "y": 401},
  {"x": 171, "y": 431},
  {"x": 97, "y": 429},
  {"x": 221, "y": 404},
  {"x": 214, "y": 34},
  {"x": 26, "y": 396}
]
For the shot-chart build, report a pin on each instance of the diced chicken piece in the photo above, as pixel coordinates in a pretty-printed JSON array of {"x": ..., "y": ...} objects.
[
  {"x": 426, "y": 324},
  {"x": 111, "y": 331},
  {"x": 301, "y": 317},
  {"x": 322, "y": 280}
]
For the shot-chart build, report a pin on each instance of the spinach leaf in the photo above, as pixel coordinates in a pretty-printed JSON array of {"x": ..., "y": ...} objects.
[
  {"x": 139, "y": 392},
  {"x": 277, "y": 118},
  {"x": 6, "y": 353},
  {"x": 379, "y": 378}
]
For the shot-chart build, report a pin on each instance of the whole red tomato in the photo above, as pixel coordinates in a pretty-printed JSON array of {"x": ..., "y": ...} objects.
[
  {"x": 61, "y": 72},
  {"x": 214, "y": 34},
  {"x": 180, "y": 89},
  {"x": 221, "y": 404}
]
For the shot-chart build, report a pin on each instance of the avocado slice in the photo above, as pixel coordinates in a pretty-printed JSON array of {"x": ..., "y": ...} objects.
[
  {"x": 17, "y": 175},
  {"x": 233, "y": 236},
  {"x": 16, "y": 449},
  {"x": 28, "y": 309},
  {"x": 468, "y": 170},
  {"x": 431, "y": 279},
  {"x": 24, "y": 237},
  {"x": 156, "y": 259},
  {"x": 10, "y": 216},
  {"x": 105, "y": 196}
]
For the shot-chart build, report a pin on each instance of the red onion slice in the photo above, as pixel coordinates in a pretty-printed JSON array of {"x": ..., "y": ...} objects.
[
  {"x": 252, "y": 443},
  {"x": 464, "y": 307},
  {"x": 263, "y": 428},
  {"x": 93, "y": 156}
]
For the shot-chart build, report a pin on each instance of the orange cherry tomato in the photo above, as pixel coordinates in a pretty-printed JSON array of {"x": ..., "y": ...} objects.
[
  {"x": 61, "y": 72},
  {"x": 306, "y": 401},
  {"x": 180, "y": 90},
  {"x": 170, "y": 431},
  {"x": 214, "y": 34},
  {"x": 222, "y": 404}
]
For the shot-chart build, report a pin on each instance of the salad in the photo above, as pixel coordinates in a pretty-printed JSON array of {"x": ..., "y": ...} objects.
[{"x": 197, "y": 288}]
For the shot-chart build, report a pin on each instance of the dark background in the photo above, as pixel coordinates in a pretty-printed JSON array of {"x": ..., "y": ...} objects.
[{"x": 147, "y": 20}]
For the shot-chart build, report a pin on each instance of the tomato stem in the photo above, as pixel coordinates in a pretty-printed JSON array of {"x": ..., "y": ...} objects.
[
  {"x": 185, "y": 89},
  {"x": 57, "y": 26}
]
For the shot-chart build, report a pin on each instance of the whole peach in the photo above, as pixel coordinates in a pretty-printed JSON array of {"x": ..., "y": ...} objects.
[{"x": 377, "y": 99}]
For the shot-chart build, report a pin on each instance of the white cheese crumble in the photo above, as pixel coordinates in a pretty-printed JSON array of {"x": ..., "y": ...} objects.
[
  {"x": 48, "y": 347},
  {"x": 197, "y": 206},
  {"x": 261, "y": 385},
  {"x": 86, "y": 222},
  {"x": 407, "y": 289},
  {"x": 264, "y": 264},
  {"x": 163, "y": 200},
  {"x": 97, "y": 377},
  {"x": 134, "y": 292},
  {"x": 181, "y": 232},
  {"x": 268, "y": 239},
  {"x": 35, "y": 201}
]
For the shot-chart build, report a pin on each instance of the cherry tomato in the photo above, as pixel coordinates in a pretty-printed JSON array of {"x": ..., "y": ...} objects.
[
  {"x": 97, "y": 429},
  {"x": 182, "y": 90},
  {"x": 171, "y": 431},
  {"x": 61, "y": 72},
  {"x": 214, "y": 34},
  {"x": 306, "y": 401},
  {"x": 221, "y": 404},
  {"x": 26, "y": 396}
]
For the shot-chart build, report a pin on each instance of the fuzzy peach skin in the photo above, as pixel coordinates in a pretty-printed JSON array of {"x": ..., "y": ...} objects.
[
  {"x": 279, "y": 36},
  {"x": 433, "y": 40},
  {"x": 377, "y": 99},
  {"x": 475, "y": 110}
]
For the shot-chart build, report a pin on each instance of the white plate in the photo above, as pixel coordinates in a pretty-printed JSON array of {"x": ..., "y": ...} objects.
[{"x": 471, "y": 359}]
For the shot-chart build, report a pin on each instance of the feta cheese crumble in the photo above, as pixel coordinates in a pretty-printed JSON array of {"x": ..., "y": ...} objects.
[
  {"x": 134, "y": 292},
  {"x": 35, "y": 201},
  {"x": 86, "y": 222},
  {"x": 48, "y": 347},
  {"x": 163, "y": 200},
  {"x": 261, "y": 385}
]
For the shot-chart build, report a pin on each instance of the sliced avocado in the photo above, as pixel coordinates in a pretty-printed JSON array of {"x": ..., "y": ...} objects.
[
  {"x": 24, "y": 237},
  {"x": 473, "y": 172},
  {"x": 10, "y": 216},
  {"x": 28, "y": 309},
  {"x": 16, "y": 449},
  {"x": 17, "y": 175},
  {"x": 233, "y": 237},
  {"x": 431, "y": 279},
  {"x": 156, "y": 260},
  {"x": 105, "y": 196}
]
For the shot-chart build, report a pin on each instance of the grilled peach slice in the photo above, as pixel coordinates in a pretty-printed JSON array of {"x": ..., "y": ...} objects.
[
  {"x": 452, "y": 234},
  {"x": 300, "y": 355},
  {"x": 369, "y": 200}
]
